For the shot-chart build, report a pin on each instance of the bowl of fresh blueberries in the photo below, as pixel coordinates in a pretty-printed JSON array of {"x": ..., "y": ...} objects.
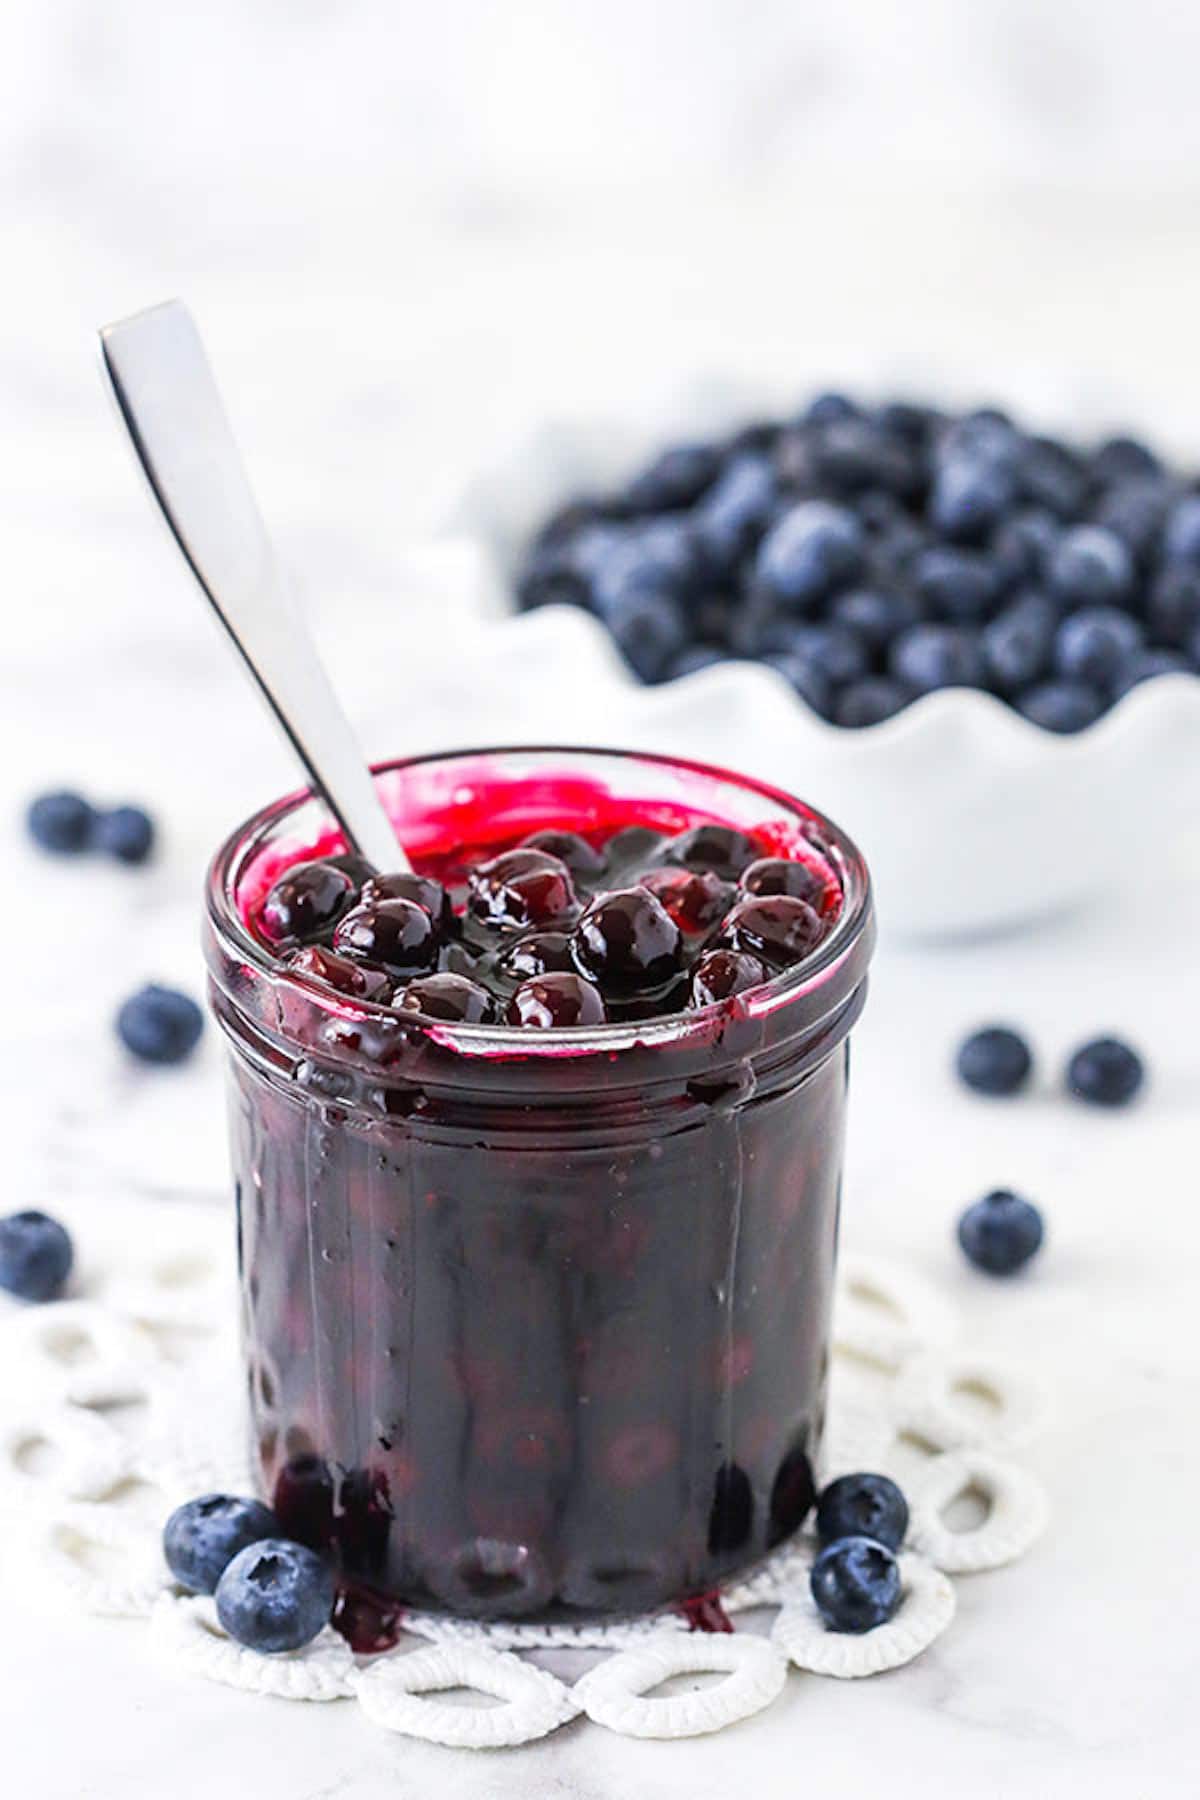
[{"x": 977, "y": 642}]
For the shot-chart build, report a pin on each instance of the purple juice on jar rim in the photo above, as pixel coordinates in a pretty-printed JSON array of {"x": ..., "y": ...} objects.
[{"x": 537, "y": 1314}]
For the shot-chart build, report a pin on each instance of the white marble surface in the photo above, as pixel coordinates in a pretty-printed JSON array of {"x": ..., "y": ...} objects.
[{"x": 380, "y": 329}]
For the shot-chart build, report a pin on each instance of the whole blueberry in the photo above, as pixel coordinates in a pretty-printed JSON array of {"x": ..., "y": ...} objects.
[
  {"x": 721, "y": 848},
  {"x": 863, "y": 1505},
  {"x": 676, "y": 478},
  {"x": 1135, "y": 511},
  {"x": 1181, "y": 536},
  {"x": 627, "y": 940},
  {"x": 984, "y": 435},
  {"x": 1090, "y": 566},
  {"x": 874, "y": 615},
  {"x": 828, "y": 408},
  {"x": 927, "y": 657},
  {"x": 649, "y": 629},
  {"x": 160, "y": 1025},
  {"x": 970, "y": 495},
  {"x": 1001, "y": 1232},
  {"x": 1051, "y": 475},
  {"x": 1124, "y": 458},
  {"x": 305, "y": 902},
  {"x": 962, "y": 585},
  {"x": 202, "y": 1537},
  {"x": 837, "y": 653},
  {"x": 35, "y": 1255},
  {"x": 1062, "y": 706},
  {"x": 1105, "y": 1072},
  {"x": 994, "y": 1060},
  {"x": 275, "y": 1596},
  {"x": 556, "y": 999},
  {"x": 1017, "y": 643},
  {"x": 1092, "y": 644},
  {"x": 851, "y": 456},
  {"x": 454, "y": 998},
  {"x": 1144, "y": 665},
  {"x": 1022, "y": 544},
  {"x": 812, "y": 548},
  {"x": 855, "y": 1584},
  {"x": 1173, "y": 606},
  {"x": 869, "y": 702},
  {"x": 736, "y": 510},
  {"x": 127, "y": 832},
  {"x": 808, "y": 680},
  {"x": 60, "y": 822}
]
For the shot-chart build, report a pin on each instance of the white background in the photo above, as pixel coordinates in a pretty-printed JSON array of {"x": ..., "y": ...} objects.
[{"x": 410, "y": 233}]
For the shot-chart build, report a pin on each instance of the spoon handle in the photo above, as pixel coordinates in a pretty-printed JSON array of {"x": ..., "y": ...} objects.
[{"x": 169, "y": 403}]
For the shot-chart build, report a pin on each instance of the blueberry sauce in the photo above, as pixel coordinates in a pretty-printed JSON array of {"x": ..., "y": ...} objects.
[{"x": 540, "y": 1332}]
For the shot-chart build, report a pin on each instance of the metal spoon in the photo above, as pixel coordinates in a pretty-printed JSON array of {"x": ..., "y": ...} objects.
[{"x": 169, "y": 403}]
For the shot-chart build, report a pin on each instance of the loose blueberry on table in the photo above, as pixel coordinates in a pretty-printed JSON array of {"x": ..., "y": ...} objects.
[
  {"x": 275, "y": 1596},
  {"x": 36, "y": 1255},
  {"x": 160, "y": 1025},
  {"x": 202, "y": 1537},
  {"x": 1105, "y": 1072},
  {"x": 1001, "y": 1232},
  {"x": 995, "y": 1060},
  {"x": 67, "y": 824},
  {"x": 855, "y": 1584},
  {"x": 493, "y": 1388},
  {"x": 863, "y": 1505},
  {"x": 872, "y": 554}
]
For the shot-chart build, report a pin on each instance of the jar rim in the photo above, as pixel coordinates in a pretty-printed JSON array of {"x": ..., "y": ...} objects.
[{"x": 844, "y": 951}]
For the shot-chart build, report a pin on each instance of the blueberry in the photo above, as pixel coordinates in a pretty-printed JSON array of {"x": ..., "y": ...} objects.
[
  {"x": 777, "y": 928},
  {"x": 1124, "y": 459},
  {"x": 396, "y": 935},
  {"x": 1135, "y": 511},
  {"x": 575, "y": 851},
  {"x": 928, "y": 657},
  {"x": 305, "y": 902},
  {"x": 969, "y": 497},
  {"x": 627, "y": 940},
  {"x": 1063, "y": 706},
  {"x": 855, "y": 1584},
  {"x": 126, "y": 833},
  {"x": 275, "y": 1596},
  {"x": 1016, "y": 644},
  {"x": 995, "y": 1060},
  {"x": 785, "y": 875},
  {"x": 828, "y": 408},
  {"x": 35, "y": 1255},
  {"x": 422, "y": 890},
  {"x": 1001, "y": 1232},
  {"x": 61, "y": 822},
  {"x": 909, "y": 420},
  {"x": 985, "y": 435},
  {"x": 1052, "y": 476},
  {"x": 650, "y": 630},
  {"x": 160, "y": 1025},
  {"x": 863, "y": 1505},
  {"x": 202, "y": 1537},
  {"x": 959, "y": 584},
  {"x": 1173, "y": 606},
  {"x": 1091, "y": 645},
  {"x": 736, "y": 510},
  {"x": 837, "y": 653},
  {"x": 676, "y": 478},
  {"x": 719, "y": 974},
  {"x": 522, "y": 887},
  {"x": 338, "y": 972},
  {"x": 874, "y": 615},
  {"x": 1090, "y": 566},
  {"x": 454, "y": 998},
  {"x": 655, "y": 559},
  {"x": 869, "y": 702},
  {"x": 556, "y": 1000},
  {"x": 1181, "y": 537},
  {"x": 809, "y": 550},
  {"x": 852, "y": 455},
  {"x": 1021, "y": 547},
  {"x": 1105, "y": 1072},
  {"x": 721, "y": 848},
  {"x": 1144, "y": 665},
  {"x": 806, "y": 678},
  {"x": 549, "y": 577}
]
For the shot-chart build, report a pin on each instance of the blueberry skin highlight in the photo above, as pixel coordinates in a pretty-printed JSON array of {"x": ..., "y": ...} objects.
[
  {"x": 995, "y": 1060},
  {"x": 1001, "y": 1232},
  {"x": 275, "y": 1596},
  {"x": 1105, "y": 1072},
  {"x": 863, "y": 1505},
  {"x": 36, "y": 1255},
  {"x": 202, "y": 1537},
  {"x": 855, "y": 1584}
]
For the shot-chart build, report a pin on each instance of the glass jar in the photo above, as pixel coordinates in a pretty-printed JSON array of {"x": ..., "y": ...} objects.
[{"x": 536, "y": 1322}]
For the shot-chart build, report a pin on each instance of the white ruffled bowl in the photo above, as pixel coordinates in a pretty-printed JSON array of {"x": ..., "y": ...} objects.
[{"x": 972, "y": 819}]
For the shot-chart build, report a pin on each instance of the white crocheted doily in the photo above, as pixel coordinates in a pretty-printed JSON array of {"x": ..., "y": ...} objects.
[{"x": 122, "y": 1407}]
